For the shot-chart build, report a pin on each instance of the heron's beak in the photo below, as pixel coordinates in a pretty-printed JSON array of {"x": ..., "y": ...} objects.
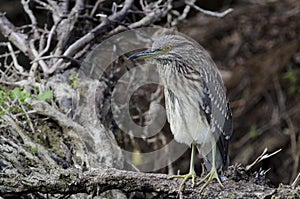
[{"x": 144, "y": 54}]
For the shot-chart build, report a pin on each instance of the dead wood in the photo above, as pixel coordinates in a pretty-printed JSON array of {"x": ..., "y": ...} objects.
[{"x": 96, "y": 181}]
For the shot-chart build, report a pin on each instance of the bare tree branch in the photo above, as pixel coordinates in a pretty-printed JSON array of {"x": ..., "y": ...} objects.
[
  {"x": 32, "y": 17},
  {"x": 104, "y": 26},
  {"x": 14, "y": 58},
  {"x": 72, "y": 181},
  {"x": 207, "y": 12},
  {"x": 18, "y": 39},
  {"x": 66, "y": 26},
  {"x": 152, "y": 16}
]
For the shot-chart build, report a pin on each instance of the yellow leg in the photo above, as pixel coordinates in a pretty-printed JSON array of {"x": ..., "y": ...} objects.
[
  {"x": 213, "y": 174},
  {"x": 191, "y": 174}
]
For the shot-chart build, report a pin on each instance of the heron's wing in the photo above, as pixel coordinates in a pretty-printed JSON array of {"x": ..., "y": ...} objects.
[
  {"x": 223, "y": 140},
  {"x": 169, "y": 102},
  {"x": 215, "y": 106}
]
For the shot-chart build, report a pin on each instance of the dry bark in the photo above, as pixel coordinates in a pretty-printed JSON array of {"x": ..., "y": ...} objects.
[{"x": 96, "y": 181}]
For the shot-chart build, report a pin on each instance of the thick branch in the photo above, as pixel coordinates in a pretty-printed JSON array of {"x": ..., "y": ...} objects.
[
  {"x": 67, "y": 26},
  {"x": 18, "y": 39},
  {"x": 101, "y": 28},
  {"x": 96, "y": 181},
  {"x": 104, "y": 26}
]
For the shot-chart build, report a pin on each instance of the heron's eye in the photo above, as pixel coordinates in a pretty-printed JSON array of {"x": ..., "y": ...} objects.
[{"x": 167, "y": 48}]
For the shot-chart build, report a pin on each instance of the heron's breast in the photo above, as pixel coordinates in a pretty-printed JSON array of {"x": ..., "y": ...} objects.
[{"x": 186, "y": 122}]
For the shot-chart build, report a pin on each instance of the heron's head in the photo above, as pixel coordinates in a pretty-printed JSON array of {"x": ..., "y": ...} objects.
[{"x": 167, "y": 48}]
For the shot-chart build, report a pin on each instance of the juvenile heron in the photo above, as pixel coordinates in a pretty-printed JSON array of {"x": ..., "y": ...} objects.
[{"x": 196, "y": 104}]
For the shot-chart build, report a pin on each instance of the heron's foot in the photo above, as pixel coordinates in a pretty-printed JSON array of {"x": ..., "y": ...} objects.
[
  {"x": 213, "y": 174},
  {"x": 191, "y": 174}
]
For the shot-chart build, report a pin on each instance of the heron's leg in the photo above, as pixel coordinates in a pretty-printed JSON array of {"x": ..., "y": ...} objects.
[
  {"x": 213, "y": 174},
  {"x": 191, "y": 174}
]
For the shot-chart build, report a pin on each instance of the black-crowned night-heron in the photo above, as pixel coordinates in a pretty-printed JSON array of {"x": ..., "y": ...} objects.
[{"x": 196, "y": 104}]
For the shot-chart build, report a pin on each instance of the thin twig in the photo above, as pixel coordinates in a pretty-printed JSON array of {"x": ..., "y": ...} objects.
[
  {"x": 44, "y": 5},
  {"x": 27, "y": 116},
  {"x": 152, "y": 16},
  {"x": 4, "y": 55},
  {"x": 296, "y": 181},
  {"x": 207, "y": 12},
  {"x": 14, "y": 58},
  {"x": 50, "y": 35},
  {"x": 40, "y": 62},
  {"x": 96, "y": 7},
  {"x": 73, "y": 60},
  {"x": 262, "y": 157},
  {"x": 31, "y": 16},
  {"x": 27, "y": 112},
  {"x": 20, "y": 83},
  {"x": 184, "y": 14}
]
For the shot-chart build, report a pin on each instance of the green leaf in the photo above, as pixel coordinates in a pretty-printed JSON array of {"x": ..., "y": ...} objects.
[
  {"x": 45, "y": 95},
  {"x": 15, "y": 93},
  {"x": 2, "y": 97},
  {"x": 74, "y": 80},
  {"x": 31, "y": 149},
  {"x": 1, "y": 93},
  {"x": 253, "y": 131},
  {"x": 21, "y": 95},
  {"x": 291, "y": 76}
]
